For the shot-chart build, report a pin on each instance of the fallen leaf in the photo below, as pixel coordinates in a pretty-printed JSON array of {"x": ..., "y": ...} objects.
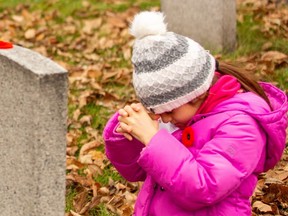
[
  {"x": 274, "y": 56},
  {"x": 262, "y": 207},
  {"x": 74, "y": 213},
  {"x": 30, "y": 34}
]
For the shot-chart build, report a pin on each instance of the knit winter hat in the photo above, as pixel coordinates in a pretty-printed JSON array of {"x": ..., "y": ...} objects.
[{"x": 169, "y": 69}]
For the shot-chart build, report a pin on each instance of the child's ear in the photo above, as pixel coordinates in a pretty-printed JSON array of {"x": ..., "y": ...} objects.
[
  {"x": 203, "y": 96},
  {"x": 199, "y": 98}
]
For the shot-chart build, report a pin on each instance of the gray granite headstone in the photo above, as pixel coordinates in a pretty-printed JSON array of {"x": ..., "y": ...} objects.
[
  {"x": 210, "y": 23},
  {"x": 33, "y": 109}
]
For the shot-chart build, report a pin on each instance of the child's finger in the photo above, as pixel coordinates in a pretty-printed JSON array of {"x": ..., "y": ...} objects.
[
  {"x": 123, "y": 113},
  {"x": 119, "y": 130},
  {"x": 129, "y": 110},
  {"x": 136, "y": 106},
  {"x": 125, "y": 128},
  {"x": 128, "y": 136}
]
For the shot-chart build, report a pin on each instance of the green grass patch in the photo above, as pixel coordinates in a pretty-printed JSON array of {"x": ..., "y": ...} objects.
[
  {"x": 101, "y": 210},
  {"x": 71, "y": 109},
  {"x": 279, "y": 44},
  {"x": 99, "y": 115},
  {"x": 280, "y": 76},
  {"x": 102, "y": 6},
  {"x": 70, "y": 194},
  {"x": 81, "y": 171},
  {"x": 147, "y": 5},
  {"x": 67, "y": 7},
  {"x": 249, "y": 39},
  {"x": 108, "y": 172},
  {"x": 123, "y": 91}
]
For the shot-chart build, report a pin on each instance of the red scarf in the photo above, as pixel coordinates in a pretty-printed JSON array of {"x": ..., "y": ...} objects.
[{"x": 225, "y": 87}]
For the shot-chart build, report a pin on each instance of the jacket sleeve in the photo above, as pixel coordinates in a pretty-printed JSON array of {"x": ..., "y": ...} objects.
[
  {"x": 123, "y": 153},
  {"x": 217, "y": 170}
]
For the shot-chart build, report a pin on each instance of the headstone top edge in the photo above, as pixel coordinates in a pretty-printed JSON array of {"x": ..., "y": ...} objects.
[{"x": 33, "y": 61}]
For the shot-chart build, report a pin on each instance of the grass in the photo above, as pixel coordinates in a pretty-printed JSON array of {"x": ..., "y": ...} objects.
[
  {"x": 77, "y": 5},
  {"x": 108, "y": 172},
  {"x": 280, "y": 77},
  {"x": 99, "y": 115},
  {"x": 70, "y": 194},
  {"x": 247, "y": 32},
  {"x": 101, "y": 210}
]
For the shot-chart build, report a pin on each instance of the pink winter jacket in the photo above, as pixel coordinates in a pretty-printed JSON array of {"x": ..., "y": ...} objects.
[{"x": 236, "y": 141}]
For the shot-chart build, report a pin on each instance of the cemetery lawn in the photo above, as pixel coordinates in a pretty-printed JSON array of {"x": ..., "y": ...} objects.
[{"x": 91, "y": 40}]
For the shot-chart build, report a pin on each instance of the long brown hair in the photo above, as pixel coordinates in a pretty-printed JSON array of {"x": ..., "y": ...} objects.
[{"x": 247, "y": 80}]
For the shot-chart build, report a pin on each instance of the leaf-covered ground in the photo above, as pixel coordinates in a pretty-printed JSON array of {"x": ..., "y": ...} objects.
[{"x": 91, "y": 40}]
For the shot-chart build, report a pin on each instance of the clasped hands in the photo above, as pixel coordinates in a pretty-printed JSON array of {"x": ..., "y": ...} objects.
[{"x": 134, "y": 121}]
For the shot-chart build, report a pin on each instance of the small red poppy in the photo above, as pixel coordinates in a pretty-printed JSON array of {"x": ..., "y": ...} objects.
[
  {"x": 5, "y": 45},
  {"x": 188, "y": 136}
]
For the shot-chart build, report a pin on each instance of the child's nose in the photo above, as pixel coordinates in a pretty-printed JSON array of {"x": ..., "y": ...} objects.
[{"x": 166, "y": 117}]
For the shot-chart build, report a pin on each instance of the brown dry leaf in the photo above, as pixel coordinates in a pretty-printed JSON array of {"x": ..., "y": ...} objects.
[
  {"x": 91, "y": 25},
  {"x": 108, "y": 99},
  {"x": 117, "y": 22},
  {"x": 105, "y": 43},
  {"x": 277, "y": 192},
  {"x": 262, "y": 207},
  {"x": 94, "y": 202},
  {"x": 82, "y": 180},
  {"x": 83, "y": 97},
  {"x": 274, "y": 56},
  {"x": 93, "y": 132},
  {"x": 126, "y": 53},
  {"x": 17, "y": 18},
  {"x": 127, "y": 210},
  {"x": 80, "y": 200},
  {"x": 108, "y": 75},
  {"x": 94, "y": 170},
  {"x": 30, "y": 34},
  {"x": 71, "y": 150},
  {"x": 71, "y": 138},
  {"x": 70, "y": 29},
  {"x": 250, "y": 67},
  {"x": 98, "y": 157},
  {"x": 267, "y": 46},
  {"x": 76, "y": 114},
  {"x": 130, "y": 197},
  {"x": 91, "y": 145},
  {"x": 74, "y": 213},
  {"x": 94, "y": 73},
  {"x": 104, "y": 191},
  {"x": 86, "y": 159},
  {"x": 29, "y": 17},
  {"x": 86, "y": 119},
  {"x": 88, "y": 27},
  {"x": 73, "y": 161},
  {"x": 96, "y": 86}
]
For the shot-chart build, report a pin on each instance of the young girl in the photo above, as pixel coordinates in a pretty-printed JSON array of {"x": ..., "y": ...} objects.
[{"x": 202, "y": 133}]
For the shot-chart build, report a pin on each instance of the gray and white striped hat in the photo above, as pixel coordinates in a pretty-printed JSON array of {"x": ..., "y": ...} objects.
[{"x": 169, "y": 69}]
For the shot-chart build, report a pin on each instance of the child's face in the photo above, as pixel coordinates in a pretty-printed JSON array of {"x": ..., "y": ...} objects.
[{"x": 183, "y": 114}]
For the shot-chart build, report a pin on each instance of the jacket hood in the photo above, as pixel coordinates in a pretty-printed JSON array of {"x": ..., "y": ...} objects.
[{"x": 273, "y": 122}]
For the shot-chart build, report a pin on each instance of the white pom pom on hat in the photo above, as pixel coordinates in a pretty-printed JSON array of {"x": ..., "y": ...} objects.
[{"x": 148, "y": 23}]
